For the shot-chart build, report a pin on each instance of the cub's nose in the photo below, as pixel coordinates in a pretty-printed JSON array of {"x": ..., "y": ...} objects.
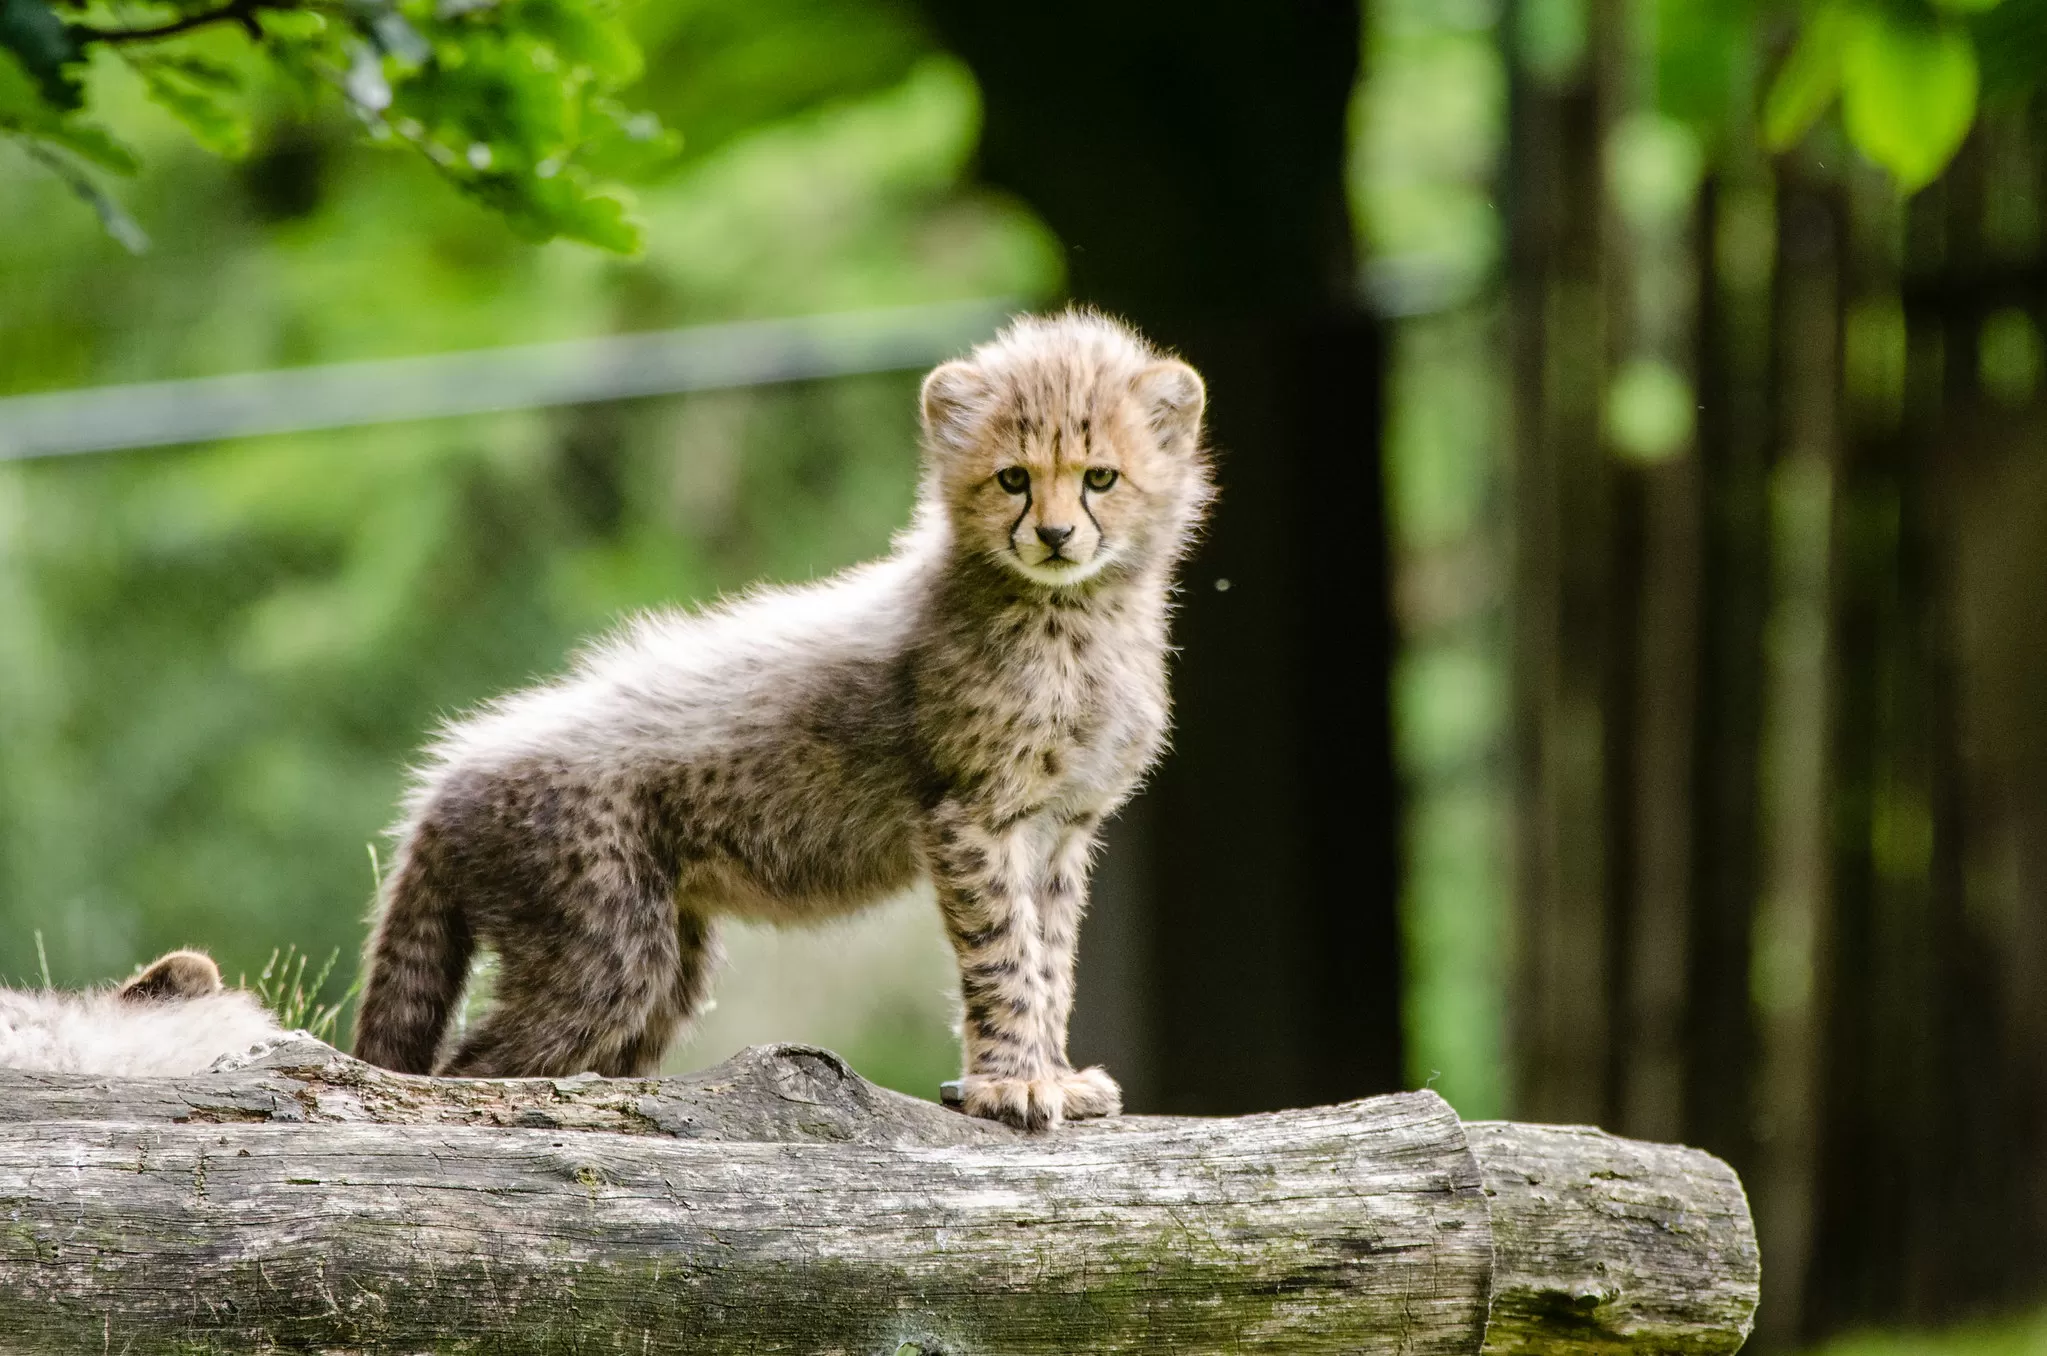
[{"x": 1054, "y": 537}]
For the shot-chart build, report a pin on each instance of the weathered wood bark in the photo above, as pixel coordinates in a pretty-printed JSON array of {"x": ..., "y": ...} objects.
[
  {"x": 779, "y": 1203},
  {"x": 1602, "y": 1244}
]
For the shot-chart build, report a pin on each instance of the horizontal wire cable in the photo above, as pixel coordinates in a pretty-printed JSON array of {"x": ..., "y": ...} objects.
[{"x": 485, "y": 381}]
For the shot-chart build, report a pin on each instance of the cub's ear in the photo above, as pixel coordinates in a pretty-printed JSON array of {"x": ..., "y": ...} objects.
[
  {"x": 1173, "y": 398},
  {"x": 181, "y": 974},
  {"x": 951, "y": 394}
]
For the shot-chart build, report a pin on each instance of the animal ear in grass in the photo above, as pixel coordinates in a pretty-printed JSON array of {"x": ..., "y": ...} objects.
[{"x": 180, "y": 974}]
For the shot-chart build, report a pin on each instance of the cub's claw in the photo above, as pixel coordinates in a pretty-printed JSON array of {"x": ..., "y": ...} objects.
[{"x": 1037, "y": 1103}]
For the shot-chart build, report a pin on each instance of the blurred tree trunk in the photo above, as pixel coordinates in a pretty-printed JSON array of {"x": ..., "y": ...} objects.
[
  {"x": 1608, "y": 582},
  {"x": 1563, "y": 515},
  {"x": 1927, "y": 1087},
  {"x": 1783, "y": 974},
  {"x": 1642, "y": 594},
  {"x": 1985, "y": 1239},
  {"x": 1716, "y": 1104},
  {"x": 1629, "y": 719},
  {"x": 1192, "y": 161}
]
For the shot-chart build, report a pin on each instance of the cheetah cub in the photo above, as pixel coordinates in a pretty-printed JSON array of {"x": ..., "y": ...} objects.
[{"x": 966, "y": 710}]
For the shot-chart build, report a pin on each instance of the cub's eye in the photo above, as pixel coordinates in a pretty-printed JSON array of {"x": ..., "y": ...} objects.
[
  {"x": 1014, "y": 479},
  {"x": 1100, "y": 477}
]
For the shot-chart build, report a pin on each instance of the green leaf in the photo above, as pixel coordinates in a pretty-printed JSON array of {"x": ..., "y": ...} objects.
[
  {"x": 24, "y": 112},
  {"x": 513, "y": 101},
  {"x": 21, "y": 99},
  {"x": 45, "y": 46},
  {"x": 198, "y": 103},
  {"x": 583, "y": 34},
  {"x": 114, "y": 219},
  {"x": 389, "y": 32},
  {"x": 1965, "y": 6},
  {"x": 202, "y": 71},
  {"x": 1908, "y": 94},
  {"x": 297, "y": 25},
  {"x": 1807, "y": 82},
  {"x": 622, "y": 143},
  {"x": 95, "y": 145},
  {"x": 605, "y": 220},
  {"x": 559, "y": 204}
]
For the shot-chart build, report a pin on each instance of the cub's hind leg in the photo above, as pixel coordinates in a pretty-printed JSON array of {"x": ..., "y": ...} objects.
[
  {"x": 697, "y": 958},
  {"x": 583, "y": 981}
]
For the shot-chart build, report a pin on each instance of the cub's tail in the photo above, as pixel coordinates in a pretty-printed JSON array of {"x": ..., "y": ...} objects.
[{"x": 415, "y": 966}]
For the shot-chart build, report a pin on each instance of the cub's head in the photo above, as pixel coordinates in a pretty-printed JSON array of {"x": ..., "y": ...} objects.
[{"x": 1066, "y": 447}]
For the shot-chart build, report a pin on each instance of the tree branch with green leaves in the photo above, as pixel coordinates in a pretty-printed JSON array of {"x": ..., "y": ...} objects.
[{"x": 514, "y": 102}]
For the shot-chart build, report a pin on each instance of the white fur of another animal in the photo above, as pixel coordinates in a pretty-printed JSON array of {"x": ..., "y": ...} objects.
[{"x": 97, "y": 1032}]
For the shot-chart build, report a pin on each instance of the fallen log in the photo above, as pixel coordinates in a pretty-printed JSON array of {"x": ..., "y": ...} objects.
[{"x": 779, "y": 1203}]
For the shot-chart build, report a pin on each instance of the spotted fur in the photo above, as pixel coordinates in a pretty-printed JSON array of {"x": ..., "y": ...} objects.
[
  {"x": 172, "y": 1018},
  {"x": 965, "y": 710}
]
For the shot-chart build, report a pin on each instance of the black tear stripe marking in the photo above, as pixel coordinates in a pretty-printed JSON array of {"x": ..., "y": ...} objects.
[
  {"x": 1023, "y": 454},
  {"x": 1030, "y": 494},
  {"x": 1101, "y": 537}
]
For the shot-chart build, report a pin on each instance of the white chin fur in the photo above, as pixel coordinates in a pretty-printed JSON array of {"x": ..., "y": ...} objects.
[{"x": 1063, "y": 573}]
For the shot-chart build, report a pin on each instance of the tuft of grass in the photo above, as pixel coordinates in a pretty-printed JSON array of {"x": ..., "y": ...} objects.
[
  {"x": 284, "y": 989},
  {"x": 43, "y": 959}
]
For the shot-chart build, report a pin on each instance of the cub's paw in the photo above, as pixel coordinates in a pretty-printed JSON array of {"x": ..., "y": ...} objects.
[
  {"x": 1041, "y": 1103},
  {"x": 1091, "y": 1092}
]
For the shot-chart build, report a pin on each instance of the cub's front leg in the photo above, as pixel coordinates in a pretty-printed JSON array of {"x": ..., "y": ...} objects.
[{"x": 1013, "y": 917}]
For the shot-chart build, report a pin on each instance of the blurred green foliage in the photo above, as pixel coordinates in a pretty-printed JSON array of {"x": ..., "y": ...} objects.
[
  {"x": 216, "y": 661},
  {"x": 1907, "y": 84},
  {"x": 1907, "y": 78},
  {"x": 1899, "y": 81}
]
